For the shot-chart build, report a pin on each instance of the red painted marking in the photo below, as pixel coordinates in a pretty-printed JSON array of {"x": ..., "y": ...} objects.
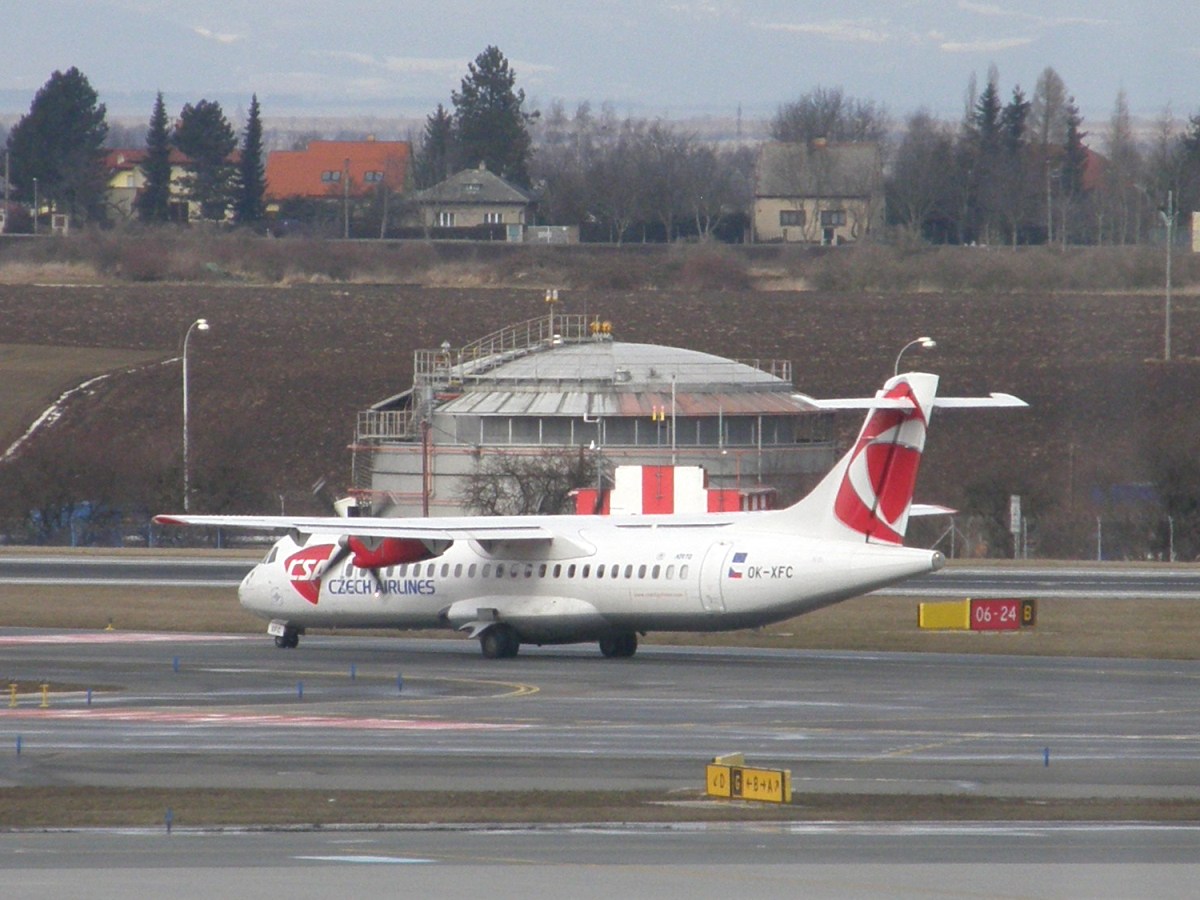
[
  {"x": 303, "y": 568},
  {"x": 995, "y": 615},
  {"x": 119, "y": 637},
  {"x": 891, "y": 473}
]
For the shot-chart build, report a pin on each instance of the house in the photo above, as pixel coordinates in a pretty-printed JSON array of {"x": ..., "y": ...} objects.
[
  {"x": 818, "y": 193},
  {"x": 337, "y": 170},
  {"x": 475, "y": 197},
  {"x": 123, "y": 169}
]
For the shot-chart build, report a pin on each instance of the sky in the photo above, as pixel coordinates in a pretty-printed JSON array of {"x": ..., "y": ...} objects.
[{"x": 677, "y": 59}]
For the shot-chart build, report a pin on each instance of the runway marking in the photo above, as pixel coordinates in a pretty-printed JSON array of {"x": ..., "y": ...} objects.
[
  {"x": 167, "y": 717},
  {"x": 120, "y": 637},
  {"x": 369, "y": 860}
]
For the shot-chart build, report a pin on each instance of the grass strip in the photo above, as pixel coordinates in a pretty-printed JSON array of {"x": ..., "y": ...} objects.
[{"x": 82, "y": 807}]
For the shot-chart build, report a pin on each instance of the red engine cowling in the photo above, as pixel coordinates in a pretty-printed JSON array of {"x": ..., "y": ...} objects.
[{"x": 389, "y": 552}]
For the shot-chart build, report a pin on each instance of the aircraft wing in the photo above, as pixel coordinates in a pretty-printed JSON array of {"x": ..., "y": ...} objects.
[{"x": 449, "y": 529}]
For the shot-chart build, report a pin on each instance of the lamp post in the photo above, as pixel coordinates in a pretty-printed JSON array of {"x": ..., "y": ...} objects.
[
  {"x": 198, "y": 325},
  {"x": 925, "y": 341},
  {"x": 1168, "y": 217},
  {"x": 35, "y": 206}
]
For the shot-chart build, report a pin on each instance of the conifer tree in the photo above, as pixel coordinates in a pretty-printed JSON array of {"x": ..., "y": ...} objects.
[
  {"x": 436, "y": 156},
  {"x": 59, "y": 143},
  {"x": 489, "y": 122},
  {"x": 153, "y": 202},
  {"x": 249, "y": 203},
  {"x": 207, "y": 139}
]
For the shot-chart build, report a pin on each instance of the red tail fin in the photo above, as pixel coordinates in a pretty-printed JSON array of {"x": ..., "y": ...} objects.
[{"x": 881, "y": 471}]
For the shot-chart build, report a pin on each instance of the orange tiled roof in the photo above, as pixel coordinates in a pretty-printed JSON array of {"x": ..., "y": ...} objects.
[
  {"x": 130, "y": 158},
  {"x": 318, "y": 170}
]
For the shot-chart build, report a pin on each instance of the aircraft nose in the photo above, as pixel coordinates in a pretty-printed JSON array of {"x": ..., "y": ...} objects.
[{"x": 252, "y": 592}]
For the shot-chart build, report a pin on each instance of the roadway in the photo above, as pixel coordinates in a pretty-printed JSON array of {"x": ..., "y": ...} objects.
[{"x": 404, "y": 713}]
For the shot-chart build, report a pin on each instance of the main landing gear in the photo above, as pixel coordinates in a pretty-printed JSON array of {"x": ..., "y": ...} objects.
[
  {"x": 621, "y": 646},
  {"x": 289, "y": 640},
  {"x": 499, "y": 642}
]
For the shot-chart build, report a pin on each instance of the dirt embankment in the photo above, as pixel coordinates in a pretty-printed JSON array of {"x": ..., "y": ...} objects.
[{"x": 277, "y": 381}]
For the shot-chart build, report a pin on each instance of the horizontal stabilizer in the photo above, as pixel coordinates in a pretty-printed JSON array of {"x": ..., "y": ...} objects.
[
  {"x": 904, "y": 403},
  {"x": 930, "y": 509}
]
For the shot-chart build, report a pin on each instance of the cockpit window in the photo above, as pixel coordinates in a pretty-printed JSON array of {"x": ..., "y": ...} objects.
[{"x": 271, "y": 554}]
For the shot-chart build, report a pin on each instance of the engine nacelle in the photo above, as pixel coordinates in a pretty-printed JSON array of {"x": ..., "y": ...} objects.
[{"x": 390, "y": 552}]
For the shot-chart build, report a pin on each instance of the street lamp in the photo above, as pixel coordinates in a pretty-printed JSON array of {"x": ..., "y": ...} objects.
[
  {"x": 925, "y": 341},
  {"x": 35, "y": 206},
  {"x": 1168, "y": 217},
  {"x": 198, "y": 325}
]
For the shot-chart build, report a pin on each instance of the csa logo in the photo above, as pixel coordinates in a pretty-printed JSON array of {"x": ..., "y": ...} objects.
[
  {"x": 302, "y": 569},
  {"x": 874, "y": 496}
]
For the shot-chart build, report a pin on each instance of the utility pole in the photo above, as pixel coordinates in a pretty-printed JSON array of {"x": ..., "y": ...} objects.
[
  {"x": 346, "y": 200},
  {"x": 1168, "y": 216},
  {"x": 7, "y": 183}
]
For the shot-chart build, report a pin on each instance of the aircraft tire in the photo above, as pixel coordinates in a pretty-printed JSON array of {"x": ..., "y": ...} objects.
[
  {"x": 499, "y": 642},
  {"x": 289, "y": 640},
  {"x": 621, "y": 646},
  {"x": 627, "y": 645}
]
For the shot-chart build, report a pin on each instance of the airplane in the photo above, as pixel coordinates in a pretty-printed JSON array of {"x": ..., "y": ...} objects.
[{"x": 513, "y": 580}]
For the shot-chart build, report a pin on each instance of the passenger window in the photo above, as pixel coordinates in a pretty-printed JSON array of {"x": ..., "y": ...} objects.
[
  {"x": 600, "y": 570},
  {"x": 514, "y": 569},
  {"x": 616, "y": 571},
  {"x": 587, "y": 570},
  {"x": 471, "y": 570},
  {"x": 654, "y": 572},
  {"x": 445, "y": 569},
  {"x": 629, "y": 571},
  {"x": 458, "y": 570},
  {"x": 557, "y": 570},
  {"x": 487, "y": 570},
  {"x": 542, "y": 571},
  {"x": 683, "y": 572},
  {"x": 670, "y": 571},
  {"x": 571, "y": 571},
  {"x": 641, "y": 571},
  {"x": 528, "y": 570}
]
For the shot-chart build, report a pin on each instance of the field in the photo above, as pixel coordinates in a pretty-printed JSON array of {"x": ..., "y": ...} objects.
[{"x": 275, "y": 385}]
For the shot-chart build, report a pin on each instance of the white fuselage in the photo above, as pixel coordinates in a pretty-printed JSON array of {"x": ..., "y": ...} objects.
[{"x": 597, "y": 577}]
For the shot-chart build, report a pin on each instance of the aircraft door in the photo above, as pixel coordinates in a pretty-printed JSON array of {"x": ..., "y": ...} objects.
[{"x": 711, "y": 570}]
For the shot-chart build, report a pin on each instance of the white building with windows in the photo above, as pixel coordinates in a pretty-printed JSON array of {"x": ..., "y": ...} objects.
[
  {"x": 817, "y": 193},
  {"x": 475, "y": 197}
]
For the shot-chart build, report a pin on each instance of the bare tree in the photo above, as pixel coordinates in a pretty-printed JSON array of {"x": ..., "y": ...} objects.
[
  {"x": 1048, "y": 123},
  {"x": 665, "y": 154},
  {"x": 920, "y": 188},
  {"x": 828, "y": 113},
  {"x": 1118, "y": 212},
  {"x": 616, "y": 179},
  {"x": 519, "y": 484}
]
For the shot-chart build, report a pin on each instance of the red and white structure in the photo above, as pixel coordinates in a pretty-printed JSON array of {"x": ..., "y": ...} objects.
[{"x": 679, "y": 490}]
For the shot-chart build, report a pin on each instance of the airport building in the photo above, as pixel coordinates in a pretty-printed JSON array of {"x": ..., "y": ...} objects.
[{"x": 562, "y": 385}]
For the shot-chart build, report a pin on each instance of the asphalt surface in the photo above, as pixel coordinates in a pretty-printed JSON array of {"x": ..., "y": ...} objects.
[{"x": 401, "y": 713}]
